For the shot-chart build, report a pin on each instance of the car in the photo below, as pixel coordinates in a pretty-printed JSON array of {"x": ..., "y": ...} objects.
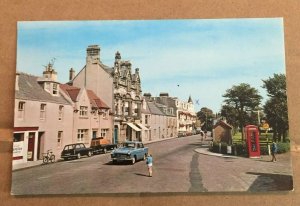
[
  {"x": 75, "y": 151},
  {"x": 101, "y": 145},
  {"x": 130, "y": 151}
]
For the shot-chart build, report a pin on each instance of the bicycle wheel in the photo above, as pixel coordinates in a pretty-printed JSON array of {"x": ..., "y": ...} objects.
[
  {"x": 52, "y": 158},
  {"x": 45, "y": 159}
]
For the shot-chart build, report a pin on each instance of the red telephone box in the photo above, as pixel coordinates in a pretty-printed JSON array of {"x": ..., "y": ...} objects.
[{"x": 252, "y": 138}]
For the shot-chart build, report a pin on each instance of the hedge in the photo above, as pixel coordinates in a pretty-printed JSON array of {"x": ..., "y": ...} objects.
[{"x": 242, "y": 149}]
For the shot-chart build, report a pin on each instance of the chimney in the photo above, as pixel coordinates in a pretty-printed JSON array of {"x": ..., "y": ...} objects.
[
  {"x": 164, "y": 94},
  {"x": 137, "y": 70},
  {"x": 71, "y": 74},
  {"x": 147, "y": 96},
  {"x": 93, "y": 54}
]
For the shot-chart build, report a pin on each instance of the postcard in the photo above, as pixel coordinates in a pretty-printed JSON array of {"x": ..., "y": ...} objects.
[{"x": 151, "y": 106}]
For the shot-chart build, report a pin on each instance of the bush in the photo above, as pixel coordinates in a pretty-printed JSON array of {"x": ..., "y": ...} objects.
[{"x": 283, "y": 147}]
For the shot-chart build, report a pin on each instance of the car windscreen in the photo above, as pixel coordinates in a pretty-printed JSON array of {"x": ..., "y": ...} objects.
[
  {"x": 69, "y": 147},
  {"x": 128, "y": 144}
]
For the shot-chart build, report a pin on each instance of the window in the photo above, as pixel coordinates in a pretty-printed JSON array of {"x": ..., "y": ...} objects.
[
  {"x": 104, "y": 114},
  {"x": 104, "y": 132},
  {"x": 83, "y": 111},
  {"x": 18, "y": 137},
  {"x": 82, "y": 134},
  {"x": 147, "y": 118},
  {"x": 43, "y": 111},
  {"x": 59, "y": 138},
  {"x": 60, "y": 112},
  {"x": 54, "y": 91},
  {"x": 21, "y": 110}
]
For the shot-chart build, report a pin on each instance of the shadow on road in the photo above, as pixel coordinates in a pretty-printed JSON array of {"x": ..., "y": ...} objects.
[
  {"x": 271, "y": 182},
  {"x": 117, "y": 163},
  {"x": 139, "y": 174}
]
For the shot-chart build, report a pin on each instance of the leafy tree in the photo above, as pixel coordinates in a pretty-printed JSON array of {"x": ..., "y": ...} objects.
[
  {"x": 243, "y": 98},
  {"x": 206, "y": 116},
  {"x": 276, "y": 107},
  {"x": 231, "y": 116}
]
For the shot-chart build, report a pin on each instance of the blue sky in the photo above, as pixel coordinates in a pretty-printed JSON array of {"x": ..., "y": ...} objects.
[{"x": 203, "y": 57}]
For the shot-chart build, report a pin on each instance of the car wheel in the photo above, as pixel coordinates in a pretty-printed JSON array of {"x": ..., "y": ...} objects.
[
  {"x": 114, "y": 161},
  {"x": 78, "y": 156},
  {"x": 65, "y": 159},
  {"x": 133, "y": 160},
  {"x": 89, "y": 154}
]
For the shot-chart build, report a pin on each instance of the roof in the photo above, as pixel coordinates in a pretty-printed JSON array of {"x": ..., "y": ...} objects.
[
  {"x": 154, "y": 109},
  {"x": 30, "y": 89},
  {"x": 223, "y": 124},
  {"x": 96, "y": 101},
  {"x": 71, "y": 91},
  {"x": 167, "y": 101}
]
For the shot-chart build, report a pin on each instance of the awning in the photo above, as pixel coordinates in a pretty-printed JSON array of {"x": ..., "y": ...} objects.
[
  {"x": 142, "y": 126},
  {"x": 134, "y": 127}
]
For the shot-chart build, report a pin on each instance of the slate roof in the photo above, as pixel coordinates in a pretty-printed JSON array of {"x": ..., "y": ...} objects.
[
  {"x": 30, "y": 89},
  {"x": 154, "y": 109},
  {"x": 167, "y": 101}
]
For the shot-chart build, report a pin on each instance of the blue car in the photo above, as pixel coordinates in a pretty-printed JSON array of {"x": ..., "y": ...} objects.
[{"x": 130, "y": 152}]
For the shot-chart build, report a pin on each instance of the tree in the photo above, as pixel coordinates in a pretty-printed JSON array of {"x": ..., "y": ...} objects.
[
  {"x": 206, "y": 116},
  {"x": 231, "y": 116},
  {"x": 243, "y": 98},
  {"x": 276, "y": 106}
]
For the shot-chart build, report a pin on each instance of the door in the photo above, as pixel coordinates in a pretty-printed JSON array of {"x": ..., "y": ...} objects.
[
  {"x": 116, "y": 135},
  {"x": 30, "y": 152},
  {"x": 40, "y": 147}
]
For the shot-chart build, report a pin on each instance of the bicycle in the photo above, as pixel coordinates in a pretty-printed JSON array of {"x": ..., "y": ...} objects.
[{"x": 48, "y": 157}]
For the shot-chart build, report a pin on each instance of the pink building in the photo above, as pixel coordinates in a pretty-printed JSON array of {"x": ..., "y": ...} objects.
[{"x": 91, "y": 117}]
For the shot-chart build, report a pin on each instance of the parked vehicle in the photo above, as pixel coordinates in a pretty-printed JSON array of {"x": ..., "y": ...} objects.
[
  {"x": 130, "y": 151},
  {"x": 48, "y": 157},
  {"x": 101, "y": 145},
  {"x": 75, "y": 151}
]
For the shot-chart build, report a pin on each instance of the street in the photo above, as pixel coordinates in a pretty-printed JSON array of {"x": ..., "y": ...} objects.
[{"x": 177, "y": 168}]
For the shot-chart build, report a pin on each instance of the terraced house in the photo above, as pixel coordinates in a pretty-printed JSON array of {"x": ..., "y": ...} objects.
[{"x": 43, "y": 117}]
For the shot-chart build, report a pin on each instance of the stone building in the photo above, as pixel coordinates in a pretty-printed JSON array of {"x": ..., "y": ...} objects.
[
  {"x": 43, "y": 117},
  {"x": 127, "y": 101}
]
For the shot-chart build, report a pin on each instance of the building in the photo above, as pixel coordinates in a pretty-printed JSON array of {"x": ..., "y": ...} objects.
[
  {"x": 91, "y": 117},
  {"x": 222, "y": 132},
  {"x": 159, "y": 118},
  {"x": 186, "y": 117},
  {"x": 43, "y": 117},
  {"x": 127, "y": 101},
  {"x": 96, "y": 77}
]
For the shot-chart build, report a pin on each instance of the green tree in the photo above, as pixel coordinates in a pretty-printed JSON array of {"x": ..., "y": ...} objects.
[
  {"x": 231, "y": 116},
  {"x": 206, "y": 116},
  {"x": 244, "y": 99},
  {"x": 276, "y": 106}
]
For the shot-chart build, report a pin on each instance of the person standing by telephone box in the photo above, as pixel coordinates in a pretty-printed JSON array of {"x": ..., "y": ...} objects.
[{"x": 252, "y": 138}]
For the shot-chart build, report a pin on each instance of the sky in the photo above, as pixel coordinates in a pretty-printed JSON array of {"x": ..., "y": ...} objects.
[{"x": 198, "y": 57}]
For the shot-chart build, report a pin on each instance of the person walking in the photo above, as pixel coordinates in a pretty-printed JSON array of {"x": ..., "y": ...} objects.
[
  {"x": 274, "y": 151},
  {"x": 149, "y": 162}
]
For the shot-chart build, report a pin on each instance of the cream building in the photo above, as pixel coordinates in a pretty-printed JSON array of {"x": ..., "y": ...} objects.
[{"x": 43, "y": 117}]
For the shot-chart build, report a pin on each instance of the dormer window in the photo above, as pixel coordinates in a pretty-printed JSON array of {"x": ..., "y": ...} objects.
[{"x": 54, "y": 91}]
